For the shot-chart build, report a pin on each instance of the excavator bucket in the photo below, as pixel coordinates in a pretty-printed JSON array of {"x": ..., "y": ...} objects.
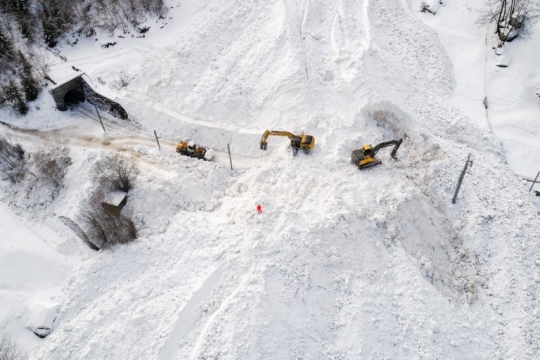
[
  {"x": 398, "y": 144},
  {"x": 264, "y": 145}
]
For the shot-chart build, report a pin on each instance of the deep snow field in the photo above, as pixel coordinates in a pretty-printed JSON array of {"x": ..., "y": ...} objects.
[{"x": 341, "y": 263}]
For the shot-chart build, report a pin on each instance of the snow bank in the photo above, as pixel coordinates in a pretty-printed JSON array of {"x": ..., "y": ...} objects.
[
  {"x": 341, "y": 263},
  {"x": 33, "y": 273}
]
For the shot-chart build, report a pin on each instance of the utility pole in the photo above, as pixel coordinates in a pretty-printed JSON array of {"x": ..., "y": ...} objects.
[
  {"x": 461, "y": 178},
  {"x": 534, "y": 182},
  {"x": 157, "y": 140},
  {"x": 230, "y": 158},
  {"x": 99, "y": 116}
]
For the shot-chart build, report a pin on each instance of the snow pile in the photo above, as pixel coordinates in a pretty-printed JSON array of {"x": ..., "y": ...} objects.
[{"x": 341, "y": 263}]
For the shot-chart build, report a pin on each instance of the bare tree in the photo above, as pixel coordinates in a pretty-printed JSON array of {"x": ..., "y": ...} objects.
[
  {"x": 512, "y": 18},
  {"x": 12, "y": 162},
  {"x": 116, "y": 171},
  {"x": 103, "y": 228},
  {"x": 9, "y": 350}
]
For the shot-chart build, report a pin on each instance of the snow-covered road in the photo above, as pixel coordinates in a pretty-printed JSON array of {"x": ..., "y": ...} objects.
[{"x": 341, "y": 263}]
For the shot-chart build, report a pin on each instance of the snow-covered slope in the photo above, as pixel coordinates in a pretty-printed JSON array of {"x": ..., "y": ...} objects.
[
  {"x": 33, "y": 273},
  {"x": 341, "y": 264},
  {"x": 511, "y": 93}
]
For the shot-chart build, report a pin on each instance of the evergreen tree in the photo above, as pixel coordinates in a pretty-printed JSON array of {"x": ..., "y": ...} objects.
[
  {"x": 24, "y": 21},
  {"x": 20, "y": 7},
  {"x": 29, "y": 84},
  {"x": 54, "y": 21},
  {"x": 30, "y": 88},
  {"x": 6, "y": 46},
  {"x": 13, "y": 95},
  {"x": 21, "y": 10}
]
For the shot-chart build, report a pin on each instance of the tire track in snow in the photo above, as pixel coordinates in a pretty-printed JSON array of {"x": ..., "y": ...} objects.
[{"x": 74, "y": 137}]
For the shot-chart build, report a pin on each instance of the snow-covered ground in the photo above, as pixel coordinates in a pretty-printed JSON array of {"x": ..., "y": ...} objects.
[{"x": 341, "y": 263}]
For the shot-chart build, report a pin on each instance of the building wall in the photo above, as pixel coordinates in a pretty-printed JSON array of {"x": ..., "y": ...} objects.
[
  {"x": 88, "y": 94},
  {"x": 60, "y": 92}
]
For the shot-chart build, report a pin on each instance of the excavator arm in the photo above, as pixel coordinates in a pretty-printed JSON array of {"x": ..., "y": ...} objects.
[
  {"x": 267, "y": 133},
  {"x": 396, "y": 143},
  {"x": 365, "y": 157}
]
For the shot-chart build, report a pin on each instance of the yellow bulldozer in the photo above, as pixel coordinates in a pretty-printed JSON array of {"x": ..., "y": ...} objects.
[
  {"x": 298, "y": 142},
  {"x": 193, "y": 150},
  {"x": 365, "y": 157}
]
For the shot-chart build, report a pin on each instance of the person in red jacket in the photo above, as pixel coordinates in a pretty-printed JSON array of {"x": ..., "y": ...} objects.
[{"x": 259, "y": 209}]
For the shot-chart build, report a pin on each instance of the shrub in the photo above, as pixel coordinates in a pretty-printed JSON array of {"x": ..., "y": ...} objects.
[
  {"x": 52, "y": 163},
  {"x": 12, "y": 162},
  {"x": 103, "y": 228},
  {"x": 116, "y": 171},
  {"x": 9, "y": 350},
  {"x": 121, "y": 81}
]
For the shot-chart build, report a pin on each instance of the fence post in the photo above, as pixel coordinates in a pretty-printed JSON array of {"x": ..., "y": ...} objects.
[
  {"x": 99, "y": 116},
  {"x": 230, "y": 158},
  {"x": 534, "y": 182},
  {"x": 461, "y": 176},
  {"x": 157, "y": 140}
]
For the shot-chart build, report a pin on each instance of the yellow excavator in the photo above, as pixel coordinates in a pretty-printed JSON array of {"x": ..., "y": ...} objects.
[
  {"x": 365, "y": 157},
  {"x": 304, "y": 142}
]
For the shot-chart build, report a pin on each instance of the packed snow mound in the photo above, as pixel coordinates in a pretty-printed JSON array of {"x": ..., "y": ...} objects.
[{"x": 341, "y": 263}]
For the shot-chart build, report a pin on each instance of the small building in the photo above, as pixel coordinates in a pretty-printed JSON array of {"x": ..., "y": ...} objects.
[
  {"x": 67, "y": 87},
  {"x": 114, "y": 201},
  {"x": 70, "y": 85}
]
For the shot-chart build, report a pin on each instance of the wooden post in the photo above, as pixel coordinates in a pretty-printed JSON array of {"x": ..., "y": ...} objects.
[
  {"x": 230, "y": 158},
  {"x": 157, "y": 140},
  {"x": 99, "y": 116},
  {"x": 461, "y": 179},
  {"x": 534, "y": 182}
]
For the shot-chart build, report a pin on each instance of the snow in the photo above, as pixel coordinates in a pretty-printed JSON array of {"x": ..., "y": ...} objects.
[
  {"x": 32, "y": 275},
  {"x": 114, "y": 198},
  {"x": 63, "y": 76},
  {"x": 510, "y": 90},
  {"x": 341, "y": 263}
]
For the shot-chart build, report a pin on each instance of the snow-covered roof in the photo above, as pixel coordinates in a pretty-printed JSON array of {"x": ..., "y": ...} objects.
[
  {"x": 62, "y": 76},
  {"x": 114, "y": 198}
]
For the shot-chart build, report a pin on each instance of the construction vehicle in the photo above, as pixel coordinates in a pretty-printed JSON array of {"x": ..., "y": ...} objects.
[
  {"x": 303, "y": 142},
  {"x": 193, "y": 150},
  {"x": 365, "y": 157}
]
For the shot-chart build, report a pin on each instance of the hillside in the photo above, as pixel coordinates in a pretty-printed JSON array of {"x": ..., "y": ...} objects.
[{"x": 341, "y": 263}]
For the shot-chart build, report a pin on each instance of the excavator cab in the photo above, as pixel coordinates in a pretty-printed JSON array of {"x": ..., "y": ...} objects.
[
  {"x": 365, "y": 157},
  {"x": 308, "y": 142},
  {"x": 295, "y": 142},
  {"x": 191, "y": 146}
]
